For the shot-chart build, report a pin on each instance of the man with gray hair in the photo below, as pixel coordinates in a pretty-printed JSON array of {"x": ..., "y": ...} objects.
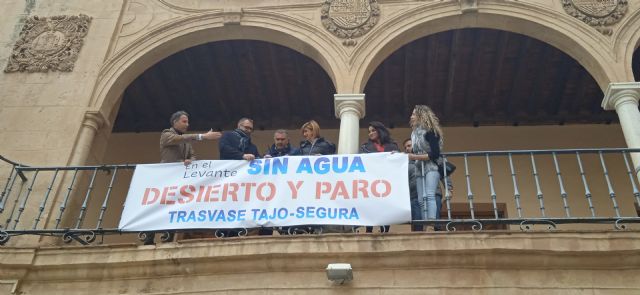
[
  {"x": 175, "y": 145},
  {"x": 281, "y": 146}
]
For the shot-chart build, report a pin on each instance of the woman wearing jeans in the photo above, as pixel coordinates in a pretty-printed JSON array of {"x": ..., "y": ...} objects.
[{"x": 427, "y": 139}]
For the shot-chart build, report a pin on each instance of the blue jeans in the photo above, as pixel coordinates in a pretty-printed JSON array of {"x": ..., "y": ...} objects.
[{"x": 427, "y": 186}]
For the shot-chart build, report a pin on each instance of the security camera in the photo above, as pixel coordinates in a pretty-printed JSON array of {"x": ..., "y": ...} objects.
[{"x": 339, "y": 272}]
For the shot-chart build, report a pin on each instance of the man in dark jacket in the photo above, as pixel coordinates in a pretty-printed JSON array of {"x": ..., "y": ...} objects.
[
  {"x": 236, "y": 144},
  {"x": 281, "y": 146}
]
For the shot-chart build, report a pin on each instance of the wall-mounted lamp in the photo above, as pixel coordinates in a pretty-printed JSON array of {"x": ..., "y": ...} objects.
[{"x": 339, "y": 272}]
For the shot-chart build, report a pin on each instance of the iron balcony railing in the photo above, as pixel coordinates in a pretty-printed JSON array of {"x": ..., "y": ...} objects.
[{"x": 511, "y": 190}]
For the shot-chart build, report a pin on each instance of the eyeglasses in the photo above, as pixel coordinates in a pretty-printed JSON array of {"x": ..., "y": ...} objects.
[{"x": 247, "y": 127}]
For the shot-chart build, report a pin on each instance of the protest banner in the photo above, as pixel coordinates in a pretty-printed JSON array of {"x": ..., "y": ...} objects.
[{"x": 366, "y": 189}]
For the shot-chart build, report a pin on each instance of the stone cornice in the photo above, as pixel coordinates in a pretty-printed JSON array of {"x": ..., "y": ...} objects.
[
  {"x": 354, "y": 103},
  {"x": 499, "y": 250},
  {"x": 620, "y": 93}
]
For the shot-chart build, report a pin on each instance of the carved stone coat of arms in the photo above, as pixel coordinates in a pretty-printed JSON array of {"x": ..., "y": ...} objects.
[
  {"x": 48, "y": 44},
  {"x": 597, "y": 13},
  {"x": 349, "y": 19}
]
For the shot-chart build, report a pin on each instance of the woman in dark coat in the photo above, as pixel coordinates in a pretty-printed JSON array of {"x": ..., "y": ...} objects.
[
  {"x": 379, "y": 141},
  {"x": 313, "y": 143}
]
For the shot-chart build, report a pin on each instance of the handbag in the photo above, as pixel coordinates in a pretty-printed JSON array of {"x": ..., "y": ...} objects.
[{"x": 445, "y": 168}]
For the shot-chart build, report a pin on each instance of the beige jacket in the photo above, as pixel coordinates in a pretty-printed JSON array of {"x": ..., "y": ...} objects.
[{"x": 176, "y": 147}]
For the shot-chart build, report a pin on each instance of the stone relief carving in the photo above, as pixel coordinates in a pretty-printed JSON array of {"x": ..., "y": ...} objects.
[
  {"x": 597, "y": 13},
  {"x": 136, "y": 19},
  {"x": 349, "y": 19},
  {"x": 46, "y": 44}
]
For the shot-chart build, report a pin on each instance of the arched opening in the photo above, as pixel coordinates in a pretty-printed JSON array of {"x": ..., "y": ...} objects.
[
  {"x": 217, "y": 83},
  {"x": 496, "y": 90},
  {"x": 480, "y": 77}
]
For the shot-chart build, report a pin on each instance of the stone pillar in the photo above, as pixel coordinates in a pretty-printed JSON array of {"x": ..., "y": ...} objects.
[
  {"x": 623, "y": 97},
  {"x": 349, "y": 109},
  {"x": 93, "y": 121}
]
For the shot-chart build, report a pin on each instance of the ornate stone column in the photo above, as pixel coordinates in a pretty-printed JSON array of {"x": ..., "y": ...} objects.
[
  {"x": 623, "y": 97},
  {"x": 93, "y": 121},
  {"x": 349, "y": 109}
]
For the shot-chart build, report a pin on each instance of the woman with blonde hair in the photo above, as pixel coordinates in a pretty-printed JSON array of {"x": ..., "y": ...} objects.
[
  {"x": 313, "y": 143},
  {"x": 427, "y": 142}
]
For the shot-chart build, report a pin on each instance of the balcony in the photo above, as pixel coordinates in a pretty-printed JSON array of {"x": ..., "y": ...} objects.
[
  {"x": 518, "y": 190},
  {"x": 567, "y": 218}
]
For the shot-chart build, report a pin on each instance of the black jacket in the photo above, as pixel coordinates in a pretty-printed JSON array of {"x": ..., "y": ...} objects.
[
  {"x": 320, "y": 146},
  {"x": 234, "y": 144},
  {"x": 368, "y": 147},
  {"x": 287, "y": 150}
]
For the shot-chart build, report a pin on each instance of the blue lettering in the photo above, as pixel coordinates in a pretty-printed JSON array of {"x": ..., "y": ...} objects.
[
  {"x": 241, "y": 215},
  {"x": 333, "y": 213},
  {"x": 202, "y": 215},
  {"x": 305, "y": 166},
  {"x": 281, "y": 165},
  {"x": 263, "y": 215},
  {"x": 212, "y": 214},
  {"x": 192, "y": 217},
  {"x": 321, "y": 212},
  {"x": 311, "y": 212},
  {"x": 343, "y": 168},
  {"x": 321, "y": 166},
  {"x": 283, "y": 213},
  {"x": 171, "y": 213},
  {"x": 254, "y": 167},
  {"x": 231, "y": 216},
  {"x": 221, "y": 216},
  {"x": 343, "y": 213},
  {"x": 354, "y": 214},
  {"x": 181, "y": 216},
  {"x": 267, "y": 164},
  {"x": 300, "y": 212},
  {"x": 255, "y": 213},
  {"x": 357, "y": 165}
]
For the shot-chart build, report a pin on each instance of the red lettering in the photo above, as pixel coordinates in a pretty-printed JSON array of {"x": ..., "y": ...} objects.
[
  {"x": 186, "y": 194},
  {"x": 156, "y": 194}
]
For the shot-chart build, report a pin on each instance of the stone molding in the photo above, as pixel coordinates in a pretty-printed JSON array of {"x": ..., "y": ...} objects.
[
  {"x": 604, "y": 250},
  {"x": 349, "y": 19},
  {"x": 597, "y": 13},
  {"x": 349, "y": 103},
  {"x": 94, "y": 120},
  {"x": 232, "y": 16},
  {"x": 49, "y": 44},
  {"x": 621, "y": 93}
]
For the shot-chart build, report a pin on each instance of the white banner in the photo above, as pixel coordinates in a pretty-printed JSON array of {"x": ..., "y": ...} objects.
[{"x": 365, "y": 189}]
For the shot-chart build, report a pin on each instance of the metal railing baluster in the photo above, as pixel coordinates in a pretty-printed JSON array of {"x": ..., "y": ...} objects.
[
  {"x": 493, "y": 191},
  {"x": 83, "y": 208},
  {"x": 536, "y": 177},
  {"x": 44, "y": 201},
  {"x": 106, "y": 199},
  {"x": 612, "y": 193},
  {"x": 25, "y": 199},
  {"x": 636, "y": 193},
  {"x": 63, "y": 205},
  {"x": 7, "y": 191},
  {"x": 447, "y": 195},
  {"x": 469, "y": 192},
  {"x": 516, "y": 191},
  {"x": 587, "y": 192},
  {"x": 563, "y": 193}
]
